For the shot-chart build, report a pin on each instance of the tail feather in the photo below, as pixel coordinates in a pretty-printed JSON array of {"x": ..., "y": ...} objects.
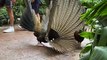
[
  {"x": 65, "y": 21},
  {"x": 63, "y": 45},
  {"x": 66, "y": 17}
]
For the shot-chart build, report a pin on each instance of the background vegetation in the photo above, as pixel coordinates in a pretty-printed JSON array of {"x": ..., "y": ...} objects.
[
  {"x": 17, "y": 8},
  {"x": 96, "y": 18}
]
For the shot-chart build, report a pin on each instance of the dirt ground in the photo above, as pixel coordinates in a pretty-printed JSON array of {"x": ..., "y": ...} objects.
[{"x": 21, "y": 45}]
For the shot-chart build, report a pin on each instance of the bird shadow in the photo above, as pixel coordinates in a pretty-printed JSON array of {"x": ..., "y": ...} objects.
[
  {"x": 46, "y": 50},
  {"x": 52, "y": 52}
]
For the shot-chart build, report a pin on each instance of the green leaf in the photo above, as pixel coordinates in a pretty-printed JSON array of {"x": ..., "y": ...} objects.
[
  {"x": 103, "y": 39},
  {"x": 87, "y": 3},
  {"x": 86, "y": 56},
  {"x": 99, "y": 53},
  {"x": 104, "y": 11},
  {"x": 84, "y": 16},
  {"x": 90, "y": 3},
  {"x": 94, "y": 12},
  {"x": 88, "y": 35},
  {"x": 103, "y": 20},
  {"x": 86, "y": 49}
]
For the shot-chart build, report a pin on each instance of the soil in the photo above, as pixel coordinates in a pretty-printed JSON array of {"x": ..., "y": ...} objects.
[{"x": 21, "y": 45}]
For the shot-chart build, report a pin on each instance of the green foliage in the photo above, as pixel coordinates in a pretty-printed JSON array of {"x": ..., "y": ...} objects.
[
  {"x": 88, "y": 35},
  {"x": 3, "y": 16},
  {"x": 44, "y": 4},
  {"x": 85, "y": 56},
  {"x": 86, "y": 49},
  {"x": 17, "y": 8},
  {"x": 99, "y": 53},
  {"x": 90, "y": 3},
  {"x": 96, "y": 11},
  {"x": 103, "y": 39}
]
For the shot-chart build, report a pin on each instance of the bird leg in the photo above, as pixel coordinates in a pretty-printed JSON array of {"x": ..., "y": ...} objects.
[
  {"x": 43, "y": 44},
  {"x": 46, "y": 44},
  {"x": 39, "y": 44}
]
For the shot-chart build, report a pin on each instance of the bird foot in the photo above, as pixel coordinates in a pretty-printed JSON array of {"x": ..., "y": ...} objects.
[
  {"x": 39, "y": 44},
  {"x": 46, "y": 44}
]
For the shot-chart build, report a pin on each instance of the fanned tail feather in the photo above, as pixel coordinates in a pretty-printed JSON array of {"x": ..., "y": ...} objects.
[
  {"x": 65, "y": 21},
  {"x": 64, "y": 45}
]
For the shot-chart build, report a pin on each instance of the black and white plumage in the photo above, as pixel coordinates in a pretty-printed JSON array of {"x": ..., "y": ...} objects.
[{"x": 51, "y": 35}]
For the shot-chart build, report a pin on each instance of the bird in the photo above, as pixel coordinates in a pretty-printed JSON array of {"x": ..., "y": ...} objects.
[
  {"x": 61, "y": 31},
  {"x": 60, "y": 25}
]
